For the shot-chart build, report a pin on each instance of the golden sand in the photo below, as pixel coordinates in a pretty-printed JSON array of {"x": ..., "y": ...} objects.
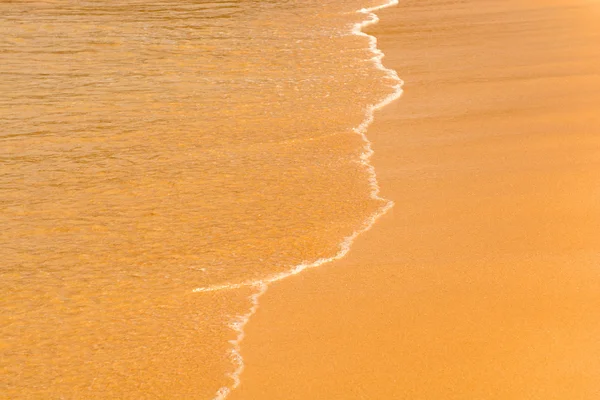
[{"x": 483, "y": 282}]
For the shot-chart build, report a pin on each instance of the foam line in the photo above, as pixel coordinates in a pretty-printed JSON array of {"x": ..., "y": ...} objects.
[
  {"x": 262, "y": 285},
  {"x": 238, "y": 326}
]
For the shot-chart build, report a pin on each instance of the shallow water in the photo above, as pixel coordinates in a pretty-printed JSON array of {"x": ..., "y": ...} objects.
[{"x": 151, "y": 148}]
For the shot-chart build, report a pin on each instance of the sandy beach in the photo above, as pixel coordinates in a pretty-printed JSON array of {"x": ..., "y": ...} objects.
[{"x": 483, "y": 282}]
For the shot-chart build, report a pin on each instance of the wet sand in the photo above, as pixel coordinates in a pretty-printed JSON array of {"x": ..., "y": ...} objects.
[{"x": 483, "y": 282}]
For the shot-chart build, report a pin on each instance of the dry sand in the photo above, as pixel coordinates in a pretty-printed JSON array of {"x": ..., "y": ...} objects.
[{"x": 483, "y": 282}]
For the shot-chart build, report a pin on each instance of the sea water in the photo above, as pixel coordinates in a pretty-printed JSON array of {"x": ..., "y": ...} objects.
[{"x": 161, "y": 163}]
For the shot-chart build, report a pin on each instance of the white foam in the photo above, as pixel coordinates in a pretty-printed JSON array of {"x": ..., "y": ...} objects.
[
  {"x": 261, "y": 285},
  {"x": 238, "y": 326}
]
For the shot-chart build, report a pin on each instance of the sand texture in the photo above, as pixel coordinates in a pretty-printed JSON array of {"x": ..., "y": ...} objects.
[{"x": 483, "y": 282}]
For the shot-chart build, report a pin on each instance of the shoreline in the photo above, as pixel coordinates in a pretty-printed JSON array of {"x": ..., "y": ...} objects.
[
  {"x": 263, "y": 285},
  {"x": 475, "y": 283}
]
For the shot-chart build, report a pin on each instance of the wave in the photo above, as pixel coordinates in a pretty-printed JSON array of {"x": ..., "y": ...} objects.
[{"x": 261, "y": 285}]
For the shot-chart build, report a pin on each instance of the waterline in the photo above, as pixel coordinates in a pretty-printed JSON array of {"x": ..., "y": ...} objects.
[{"x": 262, "y": 285}]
